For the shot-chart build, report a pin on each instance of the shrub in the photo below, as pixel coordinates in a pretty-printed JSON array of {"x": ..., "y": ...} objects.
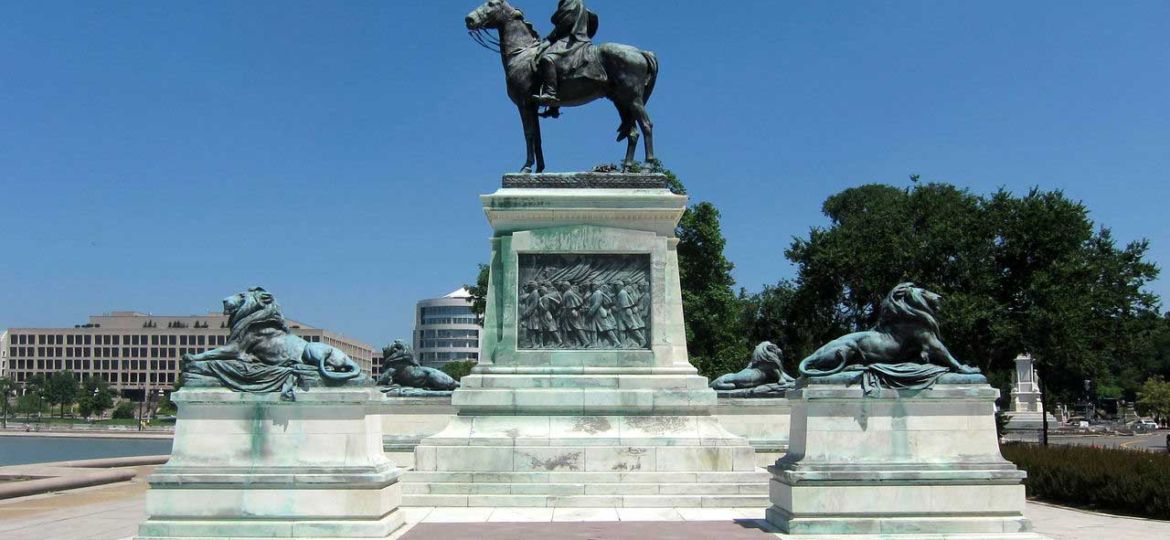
[
  {"x": 457, "y": 370},
  {"x": 1117, "y": 480},
  {"x": 124, "y": 410}
]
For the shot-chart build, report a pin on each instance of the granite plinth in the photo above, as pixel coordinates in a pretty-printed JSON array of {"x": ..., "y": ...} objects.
[
  {"x": 255, "y": 466},
  {"x": 561, "y": 426},
  {"x": 408, "y": 420},
  {"x": 923, "y": 463},
  {"x": 586, "y": 180}
]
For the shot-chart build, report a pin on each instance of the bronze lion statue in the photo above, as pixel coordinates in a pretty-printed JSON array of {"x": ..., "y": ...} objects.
[
  {"x": 765, "y": 368},
  {"x": 403, "y": 375},
  {"x": 262, "y": 355},
  {"x": 906, "y": 333}
]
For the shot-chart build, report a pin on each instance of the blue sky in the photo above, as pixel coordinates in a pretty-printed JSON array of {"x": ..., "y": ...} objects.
[{"x": 157, "y": 156}]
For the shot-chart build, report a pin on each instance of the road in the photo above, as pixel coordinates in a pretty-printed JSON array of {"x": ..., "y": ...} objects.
[{"x": 1155, "y": 442}]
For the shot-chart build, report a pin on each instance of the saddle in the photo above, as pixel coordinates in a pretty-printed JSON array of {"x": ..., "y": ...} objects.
[{"x": 581, "y": 61}]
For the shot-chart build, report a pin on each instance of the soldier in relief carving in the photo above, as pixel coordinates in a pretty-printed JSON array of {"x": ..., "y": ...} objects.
[
  {"x": 601, "y": 318},
  {"x": 547, "y": 307},
  {"x": 526, "y": 325},
  {"x": 643, "y": 297},
  {"x": 629, "y": 320},
  {"x": 572, "y": 322}
]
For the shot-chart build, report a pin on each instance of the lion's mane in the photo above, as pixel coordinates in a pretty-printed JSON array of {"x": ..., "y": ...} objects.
[
  {"x": 906, "y": 304},
  {"x": 767, "y": 356},
  {"x": 258, "y": 308}
]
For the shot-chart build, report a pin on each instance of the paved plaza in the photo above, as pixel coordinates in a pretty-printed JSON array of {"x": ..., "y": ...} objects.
[{"x": 112, "y": 512}]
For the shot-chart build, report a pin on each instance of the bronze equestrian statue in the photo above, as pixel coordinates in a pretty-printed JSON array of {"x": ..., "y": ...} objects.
[{"x": 568, "y": 70}]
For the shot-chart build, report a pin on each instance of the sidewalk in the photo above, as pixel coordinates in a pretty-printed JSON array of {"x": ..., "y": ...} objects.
[{"x": 112, "y": 513}]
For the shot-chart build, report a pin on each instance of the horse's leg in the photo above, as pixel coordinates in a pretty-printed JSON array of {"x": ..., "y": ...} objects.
[
  {"x": 527, "y": 118},
  {"x": 647, "y": 126},
  {"x": 628, "y": 131},
  {"x": 537, "y": 140}
]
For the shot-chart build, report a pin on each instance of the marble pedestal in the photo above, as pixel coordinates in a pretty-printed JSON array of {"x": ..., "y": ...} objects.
[
  {"x": 253, "y": 466},
  {"x": 913, "y": 464},
  {"x": 597, "y": 426}
]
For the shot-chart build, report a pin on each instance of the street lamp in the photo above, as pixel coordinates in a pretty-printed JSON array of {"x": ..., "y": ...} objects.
[
  {"x": 7, "y": 389},
  {"x": 1043, "y": 406}
]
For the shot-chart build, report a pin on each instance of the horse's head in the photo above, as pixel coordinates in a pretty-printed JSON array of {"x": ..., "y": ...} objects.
[{"x": 492, "y": 15}]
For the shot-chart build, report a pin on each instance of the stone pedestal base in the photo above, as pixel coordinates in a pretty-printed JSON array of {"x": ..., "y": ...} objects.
[
  {"x": 585, "y": 461},
  {"x": 923, "y": 464},
  {"x": 613, "y": 414},
  {"x": 764, "y": 422},
  {"x": 253, "y": 466}
]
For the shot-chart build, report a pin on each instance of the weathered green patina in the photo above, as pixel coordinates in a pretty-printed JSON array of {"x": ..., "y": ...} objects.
[
  {"x": 763, "y": 377},
  {"x": 263, "y": 356},
  {"x": 903, "y": 351},
  {"x": 403, "y": 376}
]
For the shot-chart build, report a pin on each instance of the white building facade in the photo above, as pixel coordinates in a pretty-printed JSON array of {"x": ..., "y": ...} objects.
[
  {"x": 137, "y": 352},
  {"x": 446, "y": 330}
]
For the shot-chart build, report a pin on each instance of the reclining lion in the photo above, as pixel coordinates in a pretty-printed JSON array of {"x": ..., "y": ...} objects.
[
  {"x": 766, "y": 367},
  {"x": 262, "y": 355},
  {"x": 906, "y": 332}
]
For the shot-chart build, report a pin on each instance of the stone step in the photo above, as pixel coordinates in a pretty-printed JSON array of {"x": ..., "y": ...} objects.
[
  {"x": 758, "y": 476},
  {"x": 588, "y": 501},
  {"x": 623, "y": 489}
]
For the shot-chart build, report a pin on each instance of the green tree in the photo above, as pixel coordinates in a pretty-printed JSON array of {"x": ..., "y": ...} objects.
[
  {"x": 713, "y": 314},
  {"x": 1019, "y": 273},
  {"x": 61, "y": 389},
  {"x": 165, "y": 404},
  {"x": 6, "y": 388},
  {"x": 124, "y": 411},
  {"x": 458, "y": 370},
  {"x": 479, "y": 292},
  {"x": 715, "y": 337},
  {"x": 96, "y": 397},
  {"x": 1154, "y": 398},
  {"x": 30, "y": 403}
]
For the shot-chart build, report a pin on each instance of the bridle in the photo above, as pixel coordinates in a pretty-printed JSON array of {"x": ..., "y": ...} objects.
[{"x": 485, "y": 39}]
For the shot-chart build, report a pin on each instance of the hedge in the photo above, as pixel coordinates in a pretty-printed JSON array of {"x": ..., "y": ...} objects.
[{"x": 1109, "y": 479}]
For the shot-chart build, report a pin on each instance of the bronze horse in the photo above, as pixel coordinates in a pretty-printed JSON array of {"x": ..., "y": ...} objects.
[{"x": 630, "y": 73}]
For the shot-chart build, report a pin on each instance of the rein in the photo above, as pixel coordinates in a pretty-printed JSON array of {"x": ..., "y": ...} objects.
[{"x": 485, "y": 39}]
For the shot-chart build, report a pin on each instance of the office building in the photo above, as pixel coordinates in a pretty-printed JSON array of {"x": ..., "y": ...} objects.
[
  {"x": 446, "y": 330},
  {"x": 136, "y": 352}
]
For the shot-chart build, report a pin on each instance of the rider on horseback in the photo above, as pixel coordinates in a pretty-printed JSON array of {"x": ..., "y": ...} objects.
[{"x": 566, "y": 46}]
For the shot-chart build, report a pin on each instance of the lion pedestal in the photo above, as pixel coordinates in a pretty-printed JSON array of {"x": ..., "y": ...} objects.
[
  {"x": 257, "y": 466},
  {"x": 920, "y": 463}
]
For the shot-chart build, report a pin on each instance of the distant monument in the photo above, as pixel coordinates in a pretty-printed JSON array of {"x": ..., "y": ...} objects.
[
  {"x": 1025, "y": 420},
  {"x": 894, "y": 437},
  {"x": 566, "y": 70}
]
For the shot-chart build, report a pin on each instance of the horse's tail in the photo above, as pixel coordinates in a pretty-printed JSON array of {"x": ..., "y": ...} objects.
[{"x": 652, "y": 75}]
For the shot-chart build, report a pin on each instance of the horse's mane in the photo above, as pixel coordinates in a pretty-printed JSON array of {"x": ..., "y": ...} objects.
[
  {"x": 531, "y": 28},
  {"x": 252, "y": 312},
  {"x": 906, "y": 304}
]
